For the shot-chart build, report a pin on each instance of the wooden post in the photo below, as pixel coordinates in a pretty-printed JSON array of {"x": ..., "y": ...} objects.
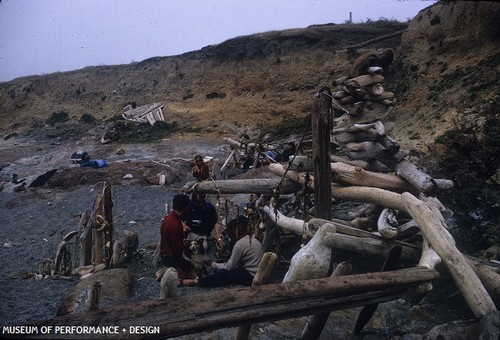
[
  {"x": 321, "y": 125},
  {"x": 317, "y": 322},
  {"x": 108, "y": 215},
  {"x": 97, "y": 235},
  {"x": 261, "y": 277},
  {"x": 78, "y": 242}
]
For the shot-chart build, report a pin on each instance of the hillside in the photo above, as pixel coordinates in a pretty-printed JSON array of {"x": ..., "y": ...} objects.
[
  {"x": 253, "y": 79},
  {"x": 445, "y": 77}
]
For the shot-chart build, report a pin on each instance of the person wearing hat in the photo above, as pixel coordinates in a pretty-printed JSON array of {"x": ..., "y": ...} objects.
[{"x": 241, "y": 267}]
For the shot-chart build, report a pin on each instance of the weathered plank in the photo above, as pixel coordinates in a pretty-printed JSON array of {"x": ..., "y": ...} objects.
[{"x": 204, "y": 312}]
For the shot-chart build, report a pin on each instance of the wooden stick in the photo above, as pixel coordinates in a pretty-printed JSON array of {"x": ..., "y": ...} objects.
[{"x": 467, "y": 281}]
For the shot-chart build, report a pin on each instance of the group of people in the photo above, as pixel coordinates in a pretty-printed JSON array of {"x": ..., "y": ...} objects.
[
  {"x": 198, "y": 216},
  {"x": 195, "y": 216}
]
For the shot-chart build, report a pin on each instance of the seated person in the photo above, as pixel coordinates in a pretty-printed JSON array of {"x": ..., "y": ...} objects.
[
  {"x": 241, "y": 267},
  {"x": 172, "y": 232},
  {"x": 200, "y": 169},
  {"x": 201, "y": 217},
  {"x": 290, "y": 150}
]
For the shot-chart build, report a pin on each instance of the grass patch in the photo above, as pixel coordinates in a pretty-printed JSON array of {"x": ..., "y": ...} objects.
[
  {"x": 146, "y": 133},
  {"x": 286, "y": 127}
]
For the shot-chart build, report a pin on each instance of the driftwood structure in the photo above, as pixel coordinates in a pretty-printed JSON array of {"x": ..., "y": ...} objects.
[{"x": 372, "y": 169}]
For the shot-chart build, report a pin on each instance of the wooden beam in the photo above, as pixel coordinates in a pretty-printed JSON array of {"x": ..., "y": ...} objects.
[
  {"x": 196, "y": 313},
  {"x": 241, "y": 186},
  {"x": 378, "y": 196}
]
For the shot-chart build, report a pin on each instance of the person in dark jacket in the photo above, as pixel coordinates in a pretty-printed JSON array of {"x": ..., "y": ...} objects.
[
  {"x": 201, "y": 216},
  {"x": 289, "y": 151}
]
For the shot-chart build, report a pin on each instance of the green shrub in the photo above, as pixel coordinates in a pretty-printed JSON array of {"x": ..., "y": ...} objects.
[
  {"x": 57, "y": 117},
  {"x": 87, "y": 118}
]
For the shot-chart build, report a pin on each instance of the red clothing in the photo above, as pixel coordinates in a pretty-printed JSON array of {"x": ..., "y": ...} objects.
[{"x": 172, "y": 235}]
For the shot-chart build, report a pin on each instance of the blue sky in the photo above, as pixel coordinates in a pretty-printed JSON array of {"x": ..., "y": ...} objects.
[{"x": 46, "y": 36}]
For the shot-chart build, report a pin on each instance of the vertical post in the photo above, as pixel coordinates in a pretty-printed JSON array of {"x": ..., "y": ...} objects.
[
  {"x": 321, "y": 125},
  {"x": 261, "y": 277},
  {"x": 97, "y": 235},
  {"x": 108, "y": 215},
  {"x": 317, "y": 322}
]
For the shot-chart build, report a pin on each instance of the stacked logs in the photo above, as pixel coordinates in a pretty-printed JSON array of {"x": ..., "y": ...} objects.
[
  {"x": 367, "y": 87},
  {"x": 360, "y": 104}
]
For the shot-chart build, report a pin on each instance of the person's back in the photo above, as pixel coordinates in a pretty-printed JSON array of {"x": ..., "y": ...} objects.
[
  {"x": 172, "y": 233},
  {"x": 246, "y": 254}
]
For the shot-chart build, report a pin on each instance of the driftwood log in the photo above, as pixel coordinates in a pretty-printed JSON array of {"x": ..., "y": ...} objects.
[
  {"x": 239, "y": 186},
  {"x": 467, "y": 281},
  {"x": 365, "y": 194},
  {"x": 189, "y": 314},
  {"x": 312, "y": 260},
  {"x": 349, "y": 174}
]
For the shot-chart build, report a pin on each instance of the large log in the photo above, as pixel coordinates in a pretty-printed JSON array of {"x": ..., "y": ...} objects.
[
  {"x": 240, "y": 186},
  {"x": 378, "y": 196},
  {"x": 345, "y": 173},
  {"x": 413, "y": 174},
  {"x": 434, "y": 230},
  {"x": 359, "y": 163},
  {"x": 196, "y": 313}
]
